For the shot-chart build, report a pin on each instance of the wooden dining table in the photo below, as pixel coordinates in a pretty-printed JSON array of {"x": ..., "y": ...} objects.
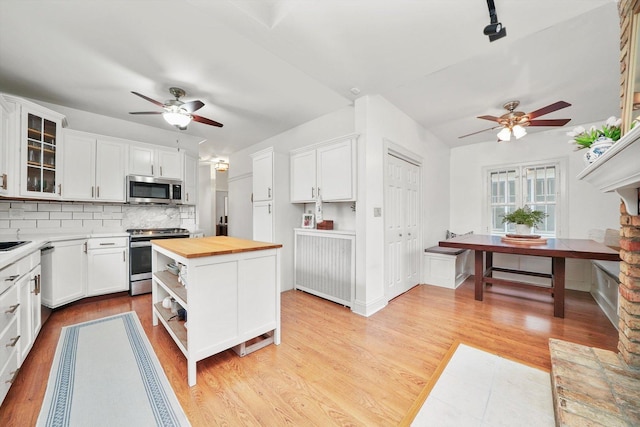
[{"x": 556, "y": 249}]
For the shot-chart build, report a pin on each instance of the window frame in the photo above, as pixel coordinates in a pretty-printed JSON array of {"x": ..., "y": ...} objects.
[{"x": 560, "y": 165}]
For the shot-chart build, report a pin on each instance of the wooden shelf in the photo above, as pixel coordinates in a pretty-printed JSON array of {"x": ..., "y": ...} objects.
[
  {"x": 170, "y": 282},
  {"x": 172, "y": 323}
]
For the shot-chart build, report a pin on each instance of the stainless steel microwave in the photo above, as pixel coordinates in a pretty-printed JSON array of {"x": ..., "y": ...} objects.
[{"x": 147, "y": 189}]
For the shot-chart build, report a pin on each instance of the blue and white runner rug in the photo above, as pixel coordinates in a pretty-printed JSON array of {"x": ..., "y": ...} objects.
[{"x": 105, "y": 373}]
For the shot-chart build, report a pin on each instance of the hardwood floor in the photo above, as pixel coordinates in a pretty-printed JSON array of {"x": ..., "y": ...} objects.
[{"x": 334, "y": 367}]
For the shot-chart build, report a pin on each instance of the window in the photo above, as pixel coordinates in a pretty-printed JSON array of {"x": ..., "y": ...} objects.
[{"x": 515, "y": 186}]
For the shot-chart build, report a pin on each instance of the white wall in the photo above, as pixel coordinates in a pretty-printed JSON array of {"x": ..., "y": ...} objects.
[
  {"x": 288, "y": 215},
  {"x": 206, "y": 200},
  {"x": 380, "y": 123},
  {"x": 583, "y": 206}
]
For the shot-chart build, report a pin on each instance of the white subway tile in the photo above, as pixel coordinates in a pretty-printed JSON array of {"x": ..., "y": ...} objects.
[
  {"x": 32, "y": 207},
  {"x": 68, "y": 207},
  {"x": 93, "y": 208},
  {"x": 112, "y": 208},
  {"x": 48, "y": 223},
  {"x": 4, "y": 223},
  {"x": 112, "y": 223},
  {"x": 5, "y": 206},
  {"x": 36, "y": 215},
  {"x": 71, "y": 223},
  {"x": 82, "y": 215},
  {"x": 49, "y": 207},
  {"x": 4, "y": 215},
  {"x": 92, "y": 223},
  {"x": 22, "y": 224},
  {"x": 60, "y": 215}
]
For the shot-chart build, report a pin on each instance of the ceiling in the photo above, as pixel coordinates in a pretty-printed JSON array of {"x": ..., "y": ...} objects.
[{"x": 265, "y": 66}]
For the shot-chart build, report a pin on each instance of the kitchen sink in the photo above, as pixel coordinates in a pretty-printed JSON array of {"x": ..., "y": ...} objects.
[{"x": 8, "y": 246}]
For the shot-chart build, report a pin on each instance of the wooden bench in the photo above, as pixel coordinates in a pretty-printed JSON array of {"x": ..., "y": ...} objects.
[{"x": 446, "y": 267}]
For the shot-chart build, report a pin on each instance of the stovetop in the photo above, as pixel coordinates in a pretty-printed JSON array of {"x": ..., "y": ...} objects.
[{"x": 157, "y": 231}]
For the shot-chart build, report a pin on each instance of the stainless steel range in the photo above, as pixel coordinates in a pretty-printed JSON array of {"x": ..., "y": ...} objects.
[{"x": 140, "y": 255}]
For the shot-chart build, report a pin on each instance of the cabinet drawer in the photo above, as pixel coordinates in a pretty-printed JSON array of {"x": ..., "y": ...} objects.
[
  {"x": 9, "y": 342},
  {"x": 9, "y": 275},
  {"x": 107, "y": 242},
  {"x": 8, "y": 374},
  {"x": 8, "y": 307}
]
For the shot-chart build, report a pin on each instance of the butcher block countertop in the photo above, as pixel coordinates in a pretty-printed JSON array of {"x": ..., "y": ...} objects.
[{"x": 210, "y": 246}]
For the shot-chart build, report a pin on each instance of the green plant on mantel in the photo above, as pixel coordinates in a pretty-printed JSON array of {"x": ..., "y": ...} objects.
[
  {"x": 524, "y": 216},
  {"x": 583, "y": 138}
]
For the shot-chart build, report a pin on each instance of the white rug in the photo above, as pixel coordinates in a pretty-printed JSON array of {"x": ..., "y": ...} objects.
[
  {"x": 105, "y": 373},
  {"x": 476, "y": 388}
]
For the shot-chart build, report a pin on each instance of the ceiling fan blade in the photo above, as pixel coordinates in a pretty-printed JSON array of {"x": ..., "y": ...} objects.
[
  {"x": 492, "y": 118},
  {"x": 146, "y": 112},
  {"x": 548, "y": 109},
  {"x": 206, "y": 121},
  {"x": 192, "y": 106},
  {"x": 549, "y": 122},
  {"x": 480, "y": 131},
  {"x": 153, "y": 101}
]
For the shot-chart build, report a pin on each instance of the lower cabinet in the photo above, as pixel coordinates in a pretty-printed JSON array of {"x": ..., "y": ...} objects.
[
  {"x": 263, "y": 221},
  {"x": 107, "y": 265},
  {"x": 64, "y": 272},
  {"x": 30, "y": 312}
]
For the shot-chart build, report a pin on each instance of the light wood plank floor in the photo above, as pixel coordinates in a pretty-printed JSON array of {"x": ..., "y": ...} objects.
[{"x": 334, "y": 367}]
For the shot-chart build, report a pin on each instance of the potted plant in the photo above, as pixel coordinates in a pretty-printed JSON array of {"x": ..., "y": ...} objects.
[
  {"x": 596, "y": 141},
  {"x": 525, "y": 219}
]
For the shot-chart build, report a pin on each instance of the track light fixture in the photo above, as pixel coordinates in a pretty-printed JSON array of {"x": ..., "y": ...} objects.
[{"x": 494, "y": 30}]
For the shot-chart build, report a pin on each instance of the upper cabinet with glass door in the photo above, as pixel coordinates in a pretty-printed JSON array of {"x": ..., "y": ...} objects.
[{"x": 40, "y": 153}]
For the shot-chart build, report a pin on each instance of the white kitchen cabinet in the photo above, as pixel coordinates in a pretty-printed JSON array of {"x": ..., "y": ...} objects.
[
  {"x": 64, "y": 272},
  {"x": 148, "y": 160},
  {"x": 95, "y": 168},
  {"x": 190, "y": 182},
  {"x": 263, "y": 216},
  {"x": 326, "y": 170},
  {"x": 262, "y": 175},
  {"x": 40, "y": 142},
  {"x": 29, "y": 298},
  {"x": 5, "y": 111},
  {"x": 107, "y": 267},
  {"x": 303, "y": 176}
]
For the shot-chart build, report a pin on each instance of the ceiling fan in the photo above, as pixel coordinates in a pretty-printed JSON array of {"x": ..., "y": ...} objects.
[
  {"x": 514, "y": 122},
  {"x": 176, "y": 112}
]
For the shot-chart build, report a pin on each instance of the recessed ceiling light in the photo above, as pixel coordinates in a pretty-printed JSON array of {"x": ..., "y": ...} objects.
[{"x": 355, "y": 91}]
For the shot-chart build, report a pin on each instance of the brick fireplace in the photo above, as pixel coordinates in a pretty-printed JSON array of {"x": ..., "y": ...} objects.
[{"x": 629, "y": 325}]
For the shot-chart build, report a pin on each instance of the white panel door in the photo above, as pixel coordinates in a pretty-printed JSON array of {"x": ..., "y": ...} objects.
[
  {"x": 263, "y": 221},
  {"x": 402, "y": 226},
  {"x": 263, "y": 177},
  {"x": 303, "y": 176},
  {"x": 78, "y": 179}
]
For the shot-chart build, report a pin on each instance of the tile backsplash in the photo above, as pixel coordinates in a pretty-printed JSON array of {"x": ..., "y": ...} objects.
[{"x": 38, "y": 216}]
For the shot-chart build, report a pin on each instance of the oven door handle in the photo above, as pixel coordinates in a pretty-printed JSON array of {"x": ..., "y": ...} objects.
[{"x": 140, "y": 244}]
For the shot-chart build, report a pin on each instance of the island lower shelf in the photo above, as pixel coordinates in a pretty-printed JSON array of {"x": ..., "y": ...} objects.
[{"x": 232, "y": 300}]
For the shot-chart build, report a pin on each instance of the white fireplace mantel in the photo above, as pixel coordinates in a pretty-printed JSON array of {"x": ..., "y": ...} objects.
[{"x": 618, "y": 169}]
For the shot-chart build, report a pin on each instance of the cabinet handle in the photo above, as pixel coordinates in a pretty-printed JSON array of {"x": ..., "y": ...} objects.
[
  {"x": 269, "y": 192},
  {"x": 98, "y": 192},
  {"x": 107, "y": 244},
  {"x": 14, "y": 374},
  {"x": 85, "y": 247},
  {"x": 160, "y": 170},
  {"x": 318, "y": 192},
  {"x": 151, "y": 169},
  {"x": 313, "y": 192},
  {"x": 12, "y": 309},
  {"x": 4, "y": 181},
  {"x": 13, "y": 341},
  {"x": 187, "y": 197},
  {"x": 12, "y": 278},
  {"x": 60, "y": 189},
  {"x": 124, "y": 256},
  {"x": 39, "y": 283},
  {"x": 269, "y": 207},
  {"x": 92, "y": 191}
]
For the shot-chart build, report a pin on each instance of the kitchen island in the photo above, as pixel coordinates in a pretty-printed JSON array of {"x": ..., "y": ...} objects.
[{"x": 229, "y": 288}]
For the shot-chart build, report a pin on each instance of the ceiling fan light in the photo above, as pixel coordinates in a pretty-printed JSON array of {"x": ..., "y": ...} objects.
[
  {"x": 177, "y": 119},
  {"x": 519, "y": 131},
  {"x": 504, "y": 134}
]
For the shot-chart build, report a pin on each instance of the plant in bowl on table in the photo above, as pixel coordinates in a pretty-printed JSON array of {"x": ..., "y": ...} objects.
[
  {"x": 596, "y": 140},
  {"x": 524, "y": 219}
]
